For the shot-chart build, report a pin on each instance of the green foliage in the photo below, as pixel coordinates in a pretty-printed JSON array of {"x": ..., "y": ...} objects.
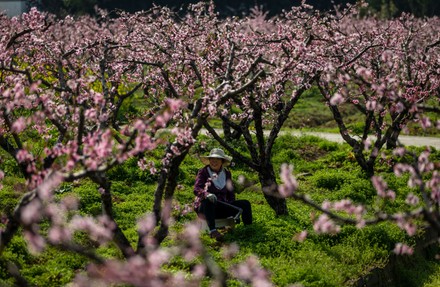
[
  {"x": 309, "y": 111},
  {"x": 10, "y": 193},
  {"x": 131, "y": 202},
  {"x": 360, "y": 191},
  {"x": 130, "y": 171},
  {"x": 8, "y": 165},
  {"x": 326, "y": 172},
  {"x": 56, "y": 269},
  {"x": 329, "y": 179},
  {"x": 90, "y": 199},
  {"x": 322, "y": 260}
]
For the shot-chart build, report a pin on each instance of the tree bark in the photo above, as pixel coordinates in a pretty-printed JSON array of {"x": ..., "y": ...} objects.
[
  {"x": 173, "y": 173},
  {"x": 107, "y": 207},
  {"x": 270, "y": 191}
]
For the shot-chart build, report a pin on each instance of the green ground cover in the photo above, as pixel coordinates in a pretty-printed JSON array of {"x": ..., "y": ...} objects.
[
  {"x": 325, "y": 171},
  {"x": 311, "y": 114}
]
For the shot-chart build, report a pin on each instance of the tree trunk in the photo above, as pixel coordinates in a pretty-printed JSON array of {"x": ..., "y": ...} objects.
[
  {"x": 173, "y": 173},
  {"x": 227, "y": 131},
  {"x": 394, "y": 136},
  {"x": 270, "y": 191},
  {"x": 158, "y": 194},
  {"x": 168, "y": 180},
  {"x": 157, "y": 208},
  {"x": 366, "y": 165},
  {"x": 107, "y": 208}
]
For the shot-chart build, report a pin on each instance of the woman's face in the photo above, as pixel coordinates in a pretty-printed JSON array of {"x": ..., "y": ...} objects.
[{"x": 215, "y": 163}]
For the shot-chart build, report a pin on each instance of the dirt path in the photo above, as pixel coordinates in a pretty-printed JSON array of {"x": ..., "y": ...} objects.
[
  {"x": 335, "y": 137},
  {"x": 406, "y": 140}
]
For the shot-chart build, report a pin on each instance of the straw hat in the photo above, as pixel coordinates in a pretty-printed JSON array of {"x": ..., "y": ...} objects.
[{"x": 216, "y": 153}]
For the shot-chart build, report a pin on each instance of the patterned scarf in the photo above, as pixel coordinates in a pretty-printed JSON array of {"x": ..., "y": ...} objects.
[{"x": 218, "y": 179}]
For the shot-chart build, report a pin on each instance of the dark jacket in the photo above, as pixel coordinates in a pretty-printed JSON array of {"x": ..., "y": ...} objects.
[{"x": 225, "y": 194}]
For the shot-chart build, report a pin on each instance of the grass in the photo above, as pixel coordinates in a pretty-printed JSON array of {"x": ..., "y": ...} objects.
[
  {"x": 326, "y": 171},
  {"x": 311, "y": 114}
]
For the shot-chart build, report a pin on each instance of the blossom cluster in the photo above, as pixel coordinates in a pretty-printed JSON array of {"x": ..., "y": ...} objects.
[{"x": 82, "y": 95}]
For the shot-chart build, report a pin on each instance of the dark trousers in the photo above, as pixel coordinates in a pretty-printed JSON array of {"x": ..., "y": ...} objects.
[{"x": 212, "y": 211}]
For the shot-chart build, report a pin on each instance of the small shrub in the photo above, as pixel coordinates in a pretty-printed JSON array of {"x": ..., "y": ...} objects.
[
  {"x": 90, "y": 198},
  {"x": 360, "y": 191},
  {"x": 9, "y": 195},
  {"x": 285, "y": 156},
  {"x": 328, "y": 146},
  {"x": 329, "y": 179},
  {"x": 130, "y": 172},
  {"x": 8, "y": 165}
]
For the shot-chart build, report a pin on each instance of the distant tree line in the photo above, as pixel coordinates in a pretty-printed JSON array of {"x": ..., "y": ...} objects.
[{"x": 383, "y": 8}]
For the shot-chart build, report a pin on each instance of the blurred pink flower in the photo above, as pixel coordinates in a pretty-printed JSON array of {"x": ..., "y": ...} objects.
[
  {"x": 19, "y": 125},
  {"x": 300, "y": 237},
  {"x": 336, "y": 99},
  {"x": 403, "y": 249}
]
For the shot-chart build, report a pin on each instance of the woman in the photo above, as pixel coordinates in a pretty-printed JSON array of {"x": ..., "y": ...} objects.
[{"x": 215, "y": 197}]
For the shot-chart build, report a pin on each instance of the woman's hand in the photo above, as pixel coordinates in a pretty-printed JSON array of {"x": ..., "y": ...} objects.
[{"x": 212, "y": 197}]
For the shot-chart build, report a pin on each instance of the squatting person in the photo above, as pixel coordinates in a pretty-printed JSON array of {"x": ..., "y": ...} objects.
[{"x": 213, "y": 188}]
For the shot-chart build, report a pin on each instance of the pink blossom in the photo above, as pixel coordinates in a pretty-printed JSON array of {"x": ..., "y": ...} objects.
[
  {"x": 290, "y": 185},
  {"x": 175, "y": 150},
  {"x": 371, "y": 105},
  {"x": 146, "y": 224},
  {"x": 59, "y": 234},
  {"x": 98, "y": 98},
  {"x": 336, "y": 99},
  {"x": 19, "y": 125},
  {"x": 403, "y": 249},
  {"x": 70, "y": 202},
  {"x": 36, "y": 241},
  {"x": 90, "y": 114},
  {"x": 435, "y": 196},
  {"x": 157, "y": 258},
  {"x": 326, "y": 205},
  {"x": 367, "y": 144},
  {"x": 191, "y": 234},
  {"x": 300, "y": 237},
  {"x": 399, "y": 107},
  {"x": 49, "y": 184},
  {"x": 142, "y": 164},
  {"x": 414, "y": 181},
  {"x": 161, "y": 121},
  {"x": 424, "y": 164},
  {"x": 400, "y": 168},
  {"x": 399, "y": 151},
  {"x": 100, "y": 230},
  {"x": 380, "y": 185},
  {"x": 325, "y": 225},
  {"x": 72, "y": 84},
  {"x": 31, "y": 212},
  {"x": 425, "y": 123},
  {"x": 229, "y": 251},
  {"x": 361, "y": 223},
  {"x": 412, "y": 199},
  {"x": 406, "y": 225},
  {"x": 199, "y": 271},
  {"x": 251, "y": 271},
  {"x": 434, "y": 182},
  {"x": 153, "y": 170},
  {"x": 174, "y": 104}
]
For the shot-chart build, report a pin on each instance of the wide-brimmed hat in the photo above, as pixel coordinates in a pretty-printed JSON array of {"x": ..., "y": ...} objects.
[{"x": 217, "y": 153}]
